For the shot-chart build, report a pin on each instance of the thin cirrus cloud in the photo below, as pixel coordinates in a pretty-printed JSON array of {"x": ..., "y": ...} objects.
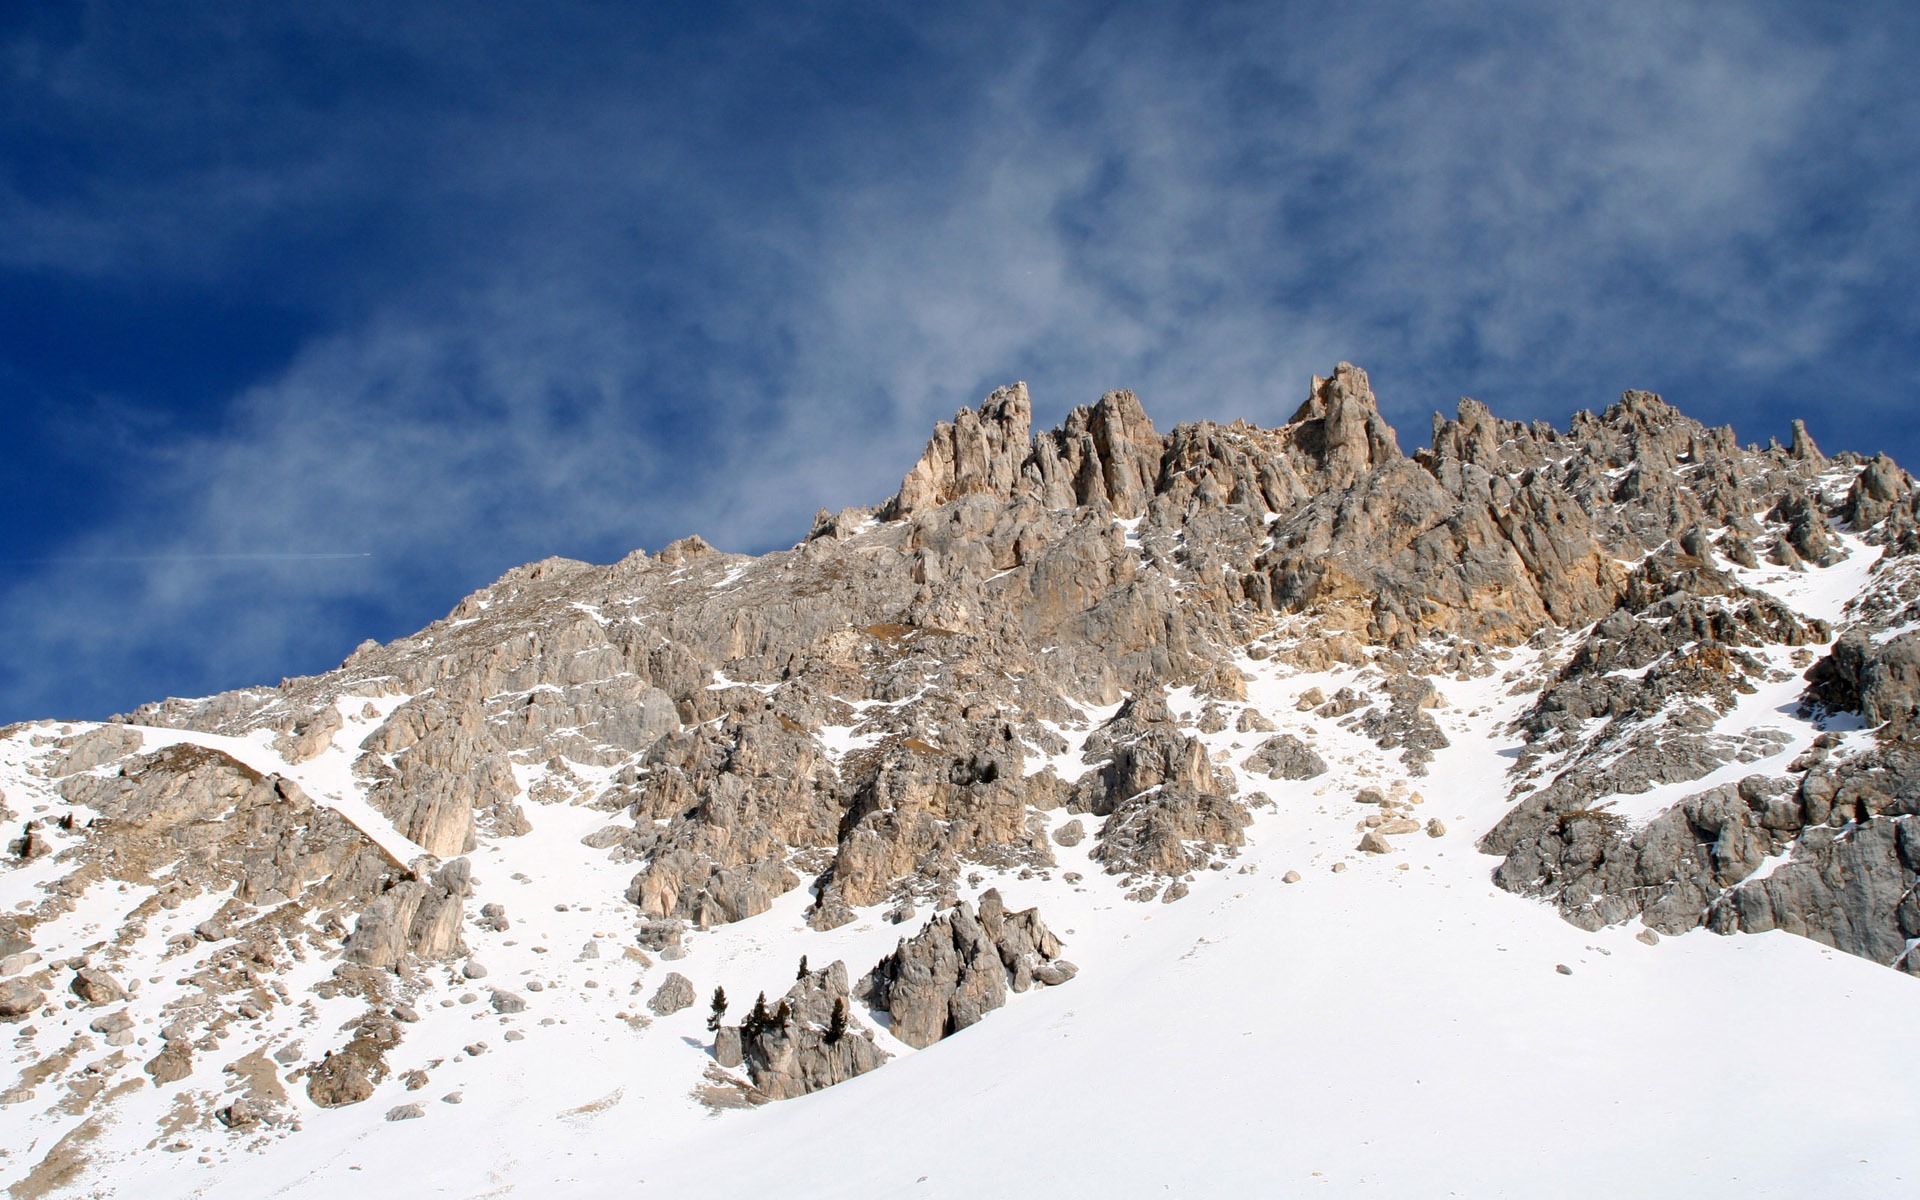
[{"x": 530, "y": 284}]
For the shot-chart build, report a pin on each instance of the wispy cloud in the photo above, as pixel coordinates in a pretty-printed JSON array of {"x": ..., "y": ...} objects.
[{"x": 583, "y": 283}]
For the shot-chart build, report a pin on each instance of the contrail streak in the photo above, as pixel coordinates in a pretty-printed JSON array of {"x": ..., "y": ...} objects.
[{"x": 118, "y": 559}]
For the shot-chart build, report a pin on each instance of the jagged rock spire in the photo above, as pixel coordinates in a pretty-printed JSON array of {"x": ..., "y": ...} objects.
[
  {"x": 1106, "y": 455},
  {"x": 1803, "y": 448},
  {"x": 1112, "y": 453},
  {"x": 1340, "y": 425},
  {"x": 976, "y": 452}
]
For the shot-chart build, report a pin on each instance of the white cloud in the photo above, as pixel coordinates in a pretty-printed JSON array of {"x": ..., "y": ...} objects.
[{"x": 618, "y": 327}]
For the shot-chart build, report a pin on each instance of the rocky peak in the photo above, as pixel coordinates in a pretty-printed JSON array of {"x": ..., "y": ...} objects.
[
  {"x": 1340, "y": 427},
  {"x": 1803, "y": 448},
  {"x": 1120, "y": 453},
  {"x": 960, "y": 966},
  {"x": 1643, "y": 428},
  {"x": 978, "y": 451},
  {"x": 1478, "y": 438},
  {"x": 676, "y": 553},
  {"x": 1875, "y": 491}
]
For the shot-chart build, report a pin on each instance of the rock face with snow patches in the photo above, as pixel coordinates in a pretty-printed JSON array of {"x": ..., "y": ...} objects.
[{"x": 1096, "y": 659}]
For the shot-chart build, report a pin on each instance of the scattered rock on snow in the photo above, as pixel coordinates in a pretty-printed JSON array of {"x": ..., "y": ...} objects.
[
  {"x": 674, "y": 993},
  {"x": 96, "y": 987},
  {"x": 19, "y": 999}
]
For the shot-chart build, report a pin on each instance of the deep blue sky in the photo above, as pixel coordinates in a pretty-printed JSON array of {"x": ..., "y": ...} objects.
[{"x": 314, "y": 317}]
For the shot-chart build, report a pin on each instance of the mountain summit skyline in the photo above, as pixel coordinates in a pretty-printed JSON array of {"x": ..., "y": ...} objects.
[{"x": 474, "y": 285}]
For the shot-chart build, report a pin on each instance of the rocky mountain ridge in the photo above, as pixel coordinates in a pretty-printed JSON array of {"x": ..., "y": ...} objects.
[{"x": 1094, "y": 657}]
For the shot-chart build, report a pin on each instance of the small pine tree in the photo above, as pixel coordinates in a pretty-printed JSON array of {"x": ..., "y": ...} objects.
[
  {"x": 719, "y": 1007},
  {"x": 837, "y": 1023},
  {"x": 802, "y": 973},
  {"x": 785, "y": 1015},
  {"x": 757, "y": 1020}
]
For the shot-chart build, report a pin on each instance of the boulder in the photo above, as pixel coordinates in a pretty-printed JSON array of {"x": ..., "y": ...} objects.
[
  {"x": 727, "y": 1050},
  {"x": 1285, "y": 756},
  {"x": 674, "y": 993},
  {"x": 96, "y": 987},
  {"x": 19, "y": 999},
  {"x": 172, "y": 1064}
]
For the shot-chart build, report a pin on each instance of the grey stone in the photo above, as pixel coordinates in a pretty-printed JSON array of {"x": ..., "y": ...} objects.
[
  {"x": 14, "y": 964},
  {"x": 726, "y": 1046},
  {"x": 1055, "y": 973},
  {"x": 1285, "y": 756},
  {"x": 96, "y": 987},
  {"x": 674, "y": 993},
  {"x": 418, "y": 916},
  {"x": 172, "y": 1064},
  {"x": 606, "y": 837},
  {"x": 19, "y": 999},
  {"x": 111, "y": 1023},
  {"x": 241, "y": 1114}
]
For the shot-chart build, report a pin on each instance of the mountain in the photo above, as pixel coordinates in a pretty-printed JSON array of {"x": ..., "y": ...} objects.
[{"x": 1109, "y": 812}]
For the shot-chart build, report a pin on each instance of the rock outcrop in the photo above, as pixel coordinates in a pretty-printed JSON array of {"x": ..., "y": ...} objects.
[
  {"x": 1285, "y": 756},
  {"x": 809, "y": 1041},
  {"x": 350, "y": 1074},
  {"x": 413, "y": 915},
  {"x": 960, "y": 967}
]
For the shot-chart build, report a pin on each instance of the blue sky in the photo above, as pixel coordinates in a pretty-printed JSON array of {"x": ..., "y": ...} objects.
[{"x": 315, "y": 317}]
